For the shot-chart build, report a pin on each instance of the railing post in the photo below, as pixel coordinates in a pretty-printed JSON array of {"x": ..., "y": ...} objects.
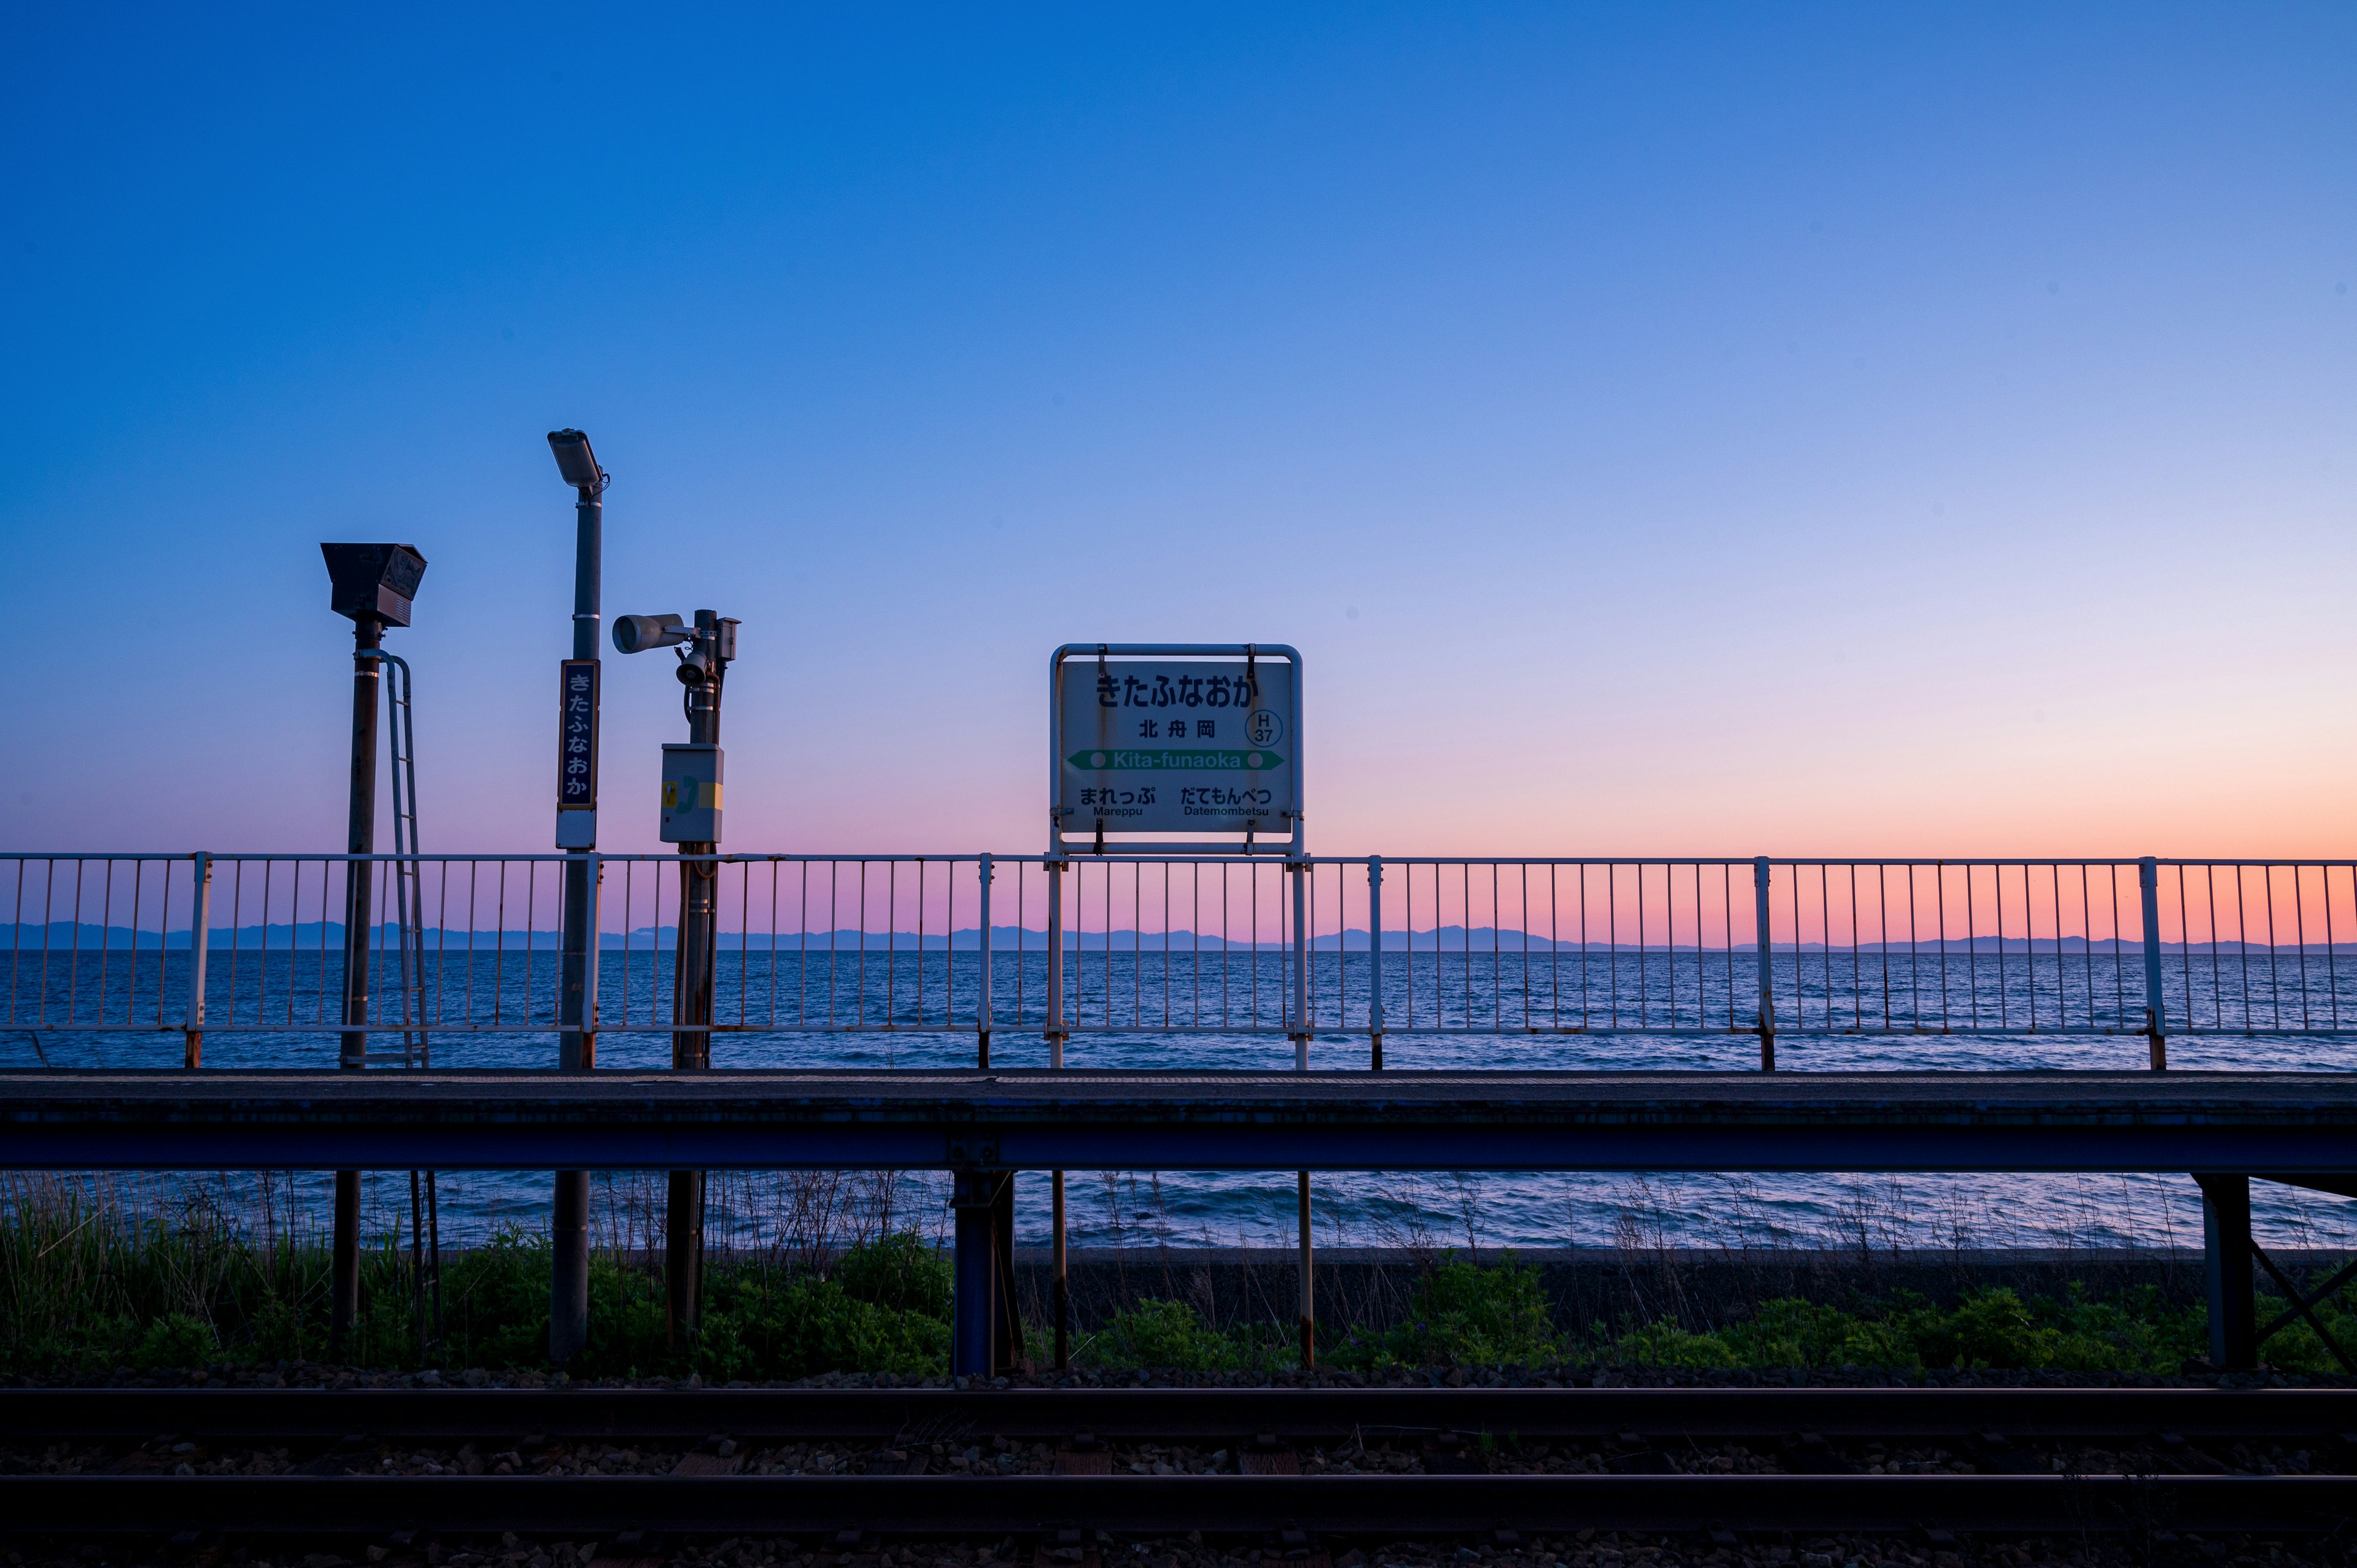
[
  {"x": 982, "y": 1007},
  {"x": 1060, "y": 1293},
  {"x": 193, "y": 1025},
  {"x": 1300, "y": 1030},
  {"x": 1767, "y": 966},
  {"x": 2155, "y": 1018},
  {"x": 1375, "y": 962}
]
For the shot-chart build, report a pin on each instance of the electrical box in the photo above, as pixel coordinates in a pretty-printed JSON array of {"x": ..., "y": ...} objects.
[{"x": 692, "y": 777}]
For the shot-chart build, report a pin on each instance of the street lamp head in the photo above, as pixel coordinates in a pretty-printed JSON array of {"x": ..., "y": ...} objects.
[
  {"x": 377, "y": 580},
  {"x": 575, "y": 462},
  {"x": 636, "y": 634}
]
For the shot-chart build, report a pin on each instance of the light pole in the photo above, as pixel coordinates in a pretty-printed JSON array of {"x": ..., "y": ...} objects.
[
  {"x": 374, "y": 585},
  {"x": 691, "y": 780},
  {"x": 577, "y": 831}
]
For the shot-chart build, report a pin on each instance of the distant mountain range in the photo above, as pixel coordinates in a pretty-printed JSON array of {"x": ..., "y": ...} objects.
[{"x": 62, "y": 938}]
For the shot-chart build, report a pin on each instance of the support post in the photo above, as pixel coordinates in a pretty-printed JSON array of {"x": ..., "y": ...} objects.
[
  {"x": 2226, "y": 1272},
  {"x": 568, "y": 1288},
  {"x": 199, "y": 944},
  {"x": 691, "y": 1050},
  {"x": 1300, "y": 1031},
  {"x": 576, "y": 830},
  {"x": 1767, "y": 965},
  {"x": 1061, "y": 1293},
  {"x": 981, "y": 1321},
  {"x": 983, "y": 1010},
  {"x": 2155, "y": 1014},
  {"x": 344, "y": 1261},
  {"x": 693, "y": 968},
  {"x": 1375, "y": 963}
]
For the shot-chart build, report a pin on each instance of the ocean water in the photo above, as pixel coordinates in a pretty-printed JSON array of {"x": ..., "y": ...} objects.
[{"x": 1481, "y": 1006}]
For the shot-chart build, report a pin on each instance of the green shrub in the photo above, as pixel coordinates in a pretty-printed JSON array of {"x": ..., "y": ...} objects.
[
  {"x": 901, "y": 1271},
  {"x": 1463, "y": 1315},
  {"x": 1163, "y": 1335}
]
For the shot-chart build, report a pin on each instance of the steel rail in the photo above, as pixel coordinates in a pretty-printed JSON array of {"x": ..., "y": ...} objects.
[
  {"x": 2034, "y": 1413},
  {"x": 1356, "y": 1505}
]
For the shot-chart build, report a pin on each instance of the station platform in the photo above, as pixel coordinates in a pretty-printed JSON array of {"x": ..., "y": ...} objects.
[{"x": 2303, "y": 1125}]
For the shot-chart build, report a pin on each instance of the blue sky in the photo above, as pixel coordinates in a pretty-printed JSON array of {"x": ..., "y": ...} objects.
[{"x": 1695, "y": 430}]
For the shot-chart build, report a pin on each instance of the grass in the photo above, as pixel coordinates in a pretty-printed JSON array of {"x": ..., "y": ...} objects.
[{"x": 88, "y": 1287}]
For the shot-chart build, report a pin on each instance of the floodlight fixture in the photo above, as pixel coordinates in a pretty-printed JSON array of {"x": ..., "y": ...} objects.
[
  {"x": 637, "y": 634},
  {"x": 575, "y": 462},
  {"x": 375, "y": 580}
]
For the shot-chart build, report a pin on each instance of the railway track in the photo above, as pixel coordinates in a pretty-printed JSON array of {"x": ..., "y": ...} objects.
[{"x": 1336, "y": 1464}]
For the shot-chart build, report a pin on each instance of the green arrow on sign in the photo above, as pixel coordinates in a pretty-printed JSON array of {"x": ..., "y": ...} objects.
[{"x": 1125, "y": 759}]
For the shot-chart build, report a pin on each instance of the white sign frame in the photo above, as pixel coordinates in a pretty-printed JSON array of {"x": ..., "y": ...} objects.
[{"x": 1068, "y": 836}]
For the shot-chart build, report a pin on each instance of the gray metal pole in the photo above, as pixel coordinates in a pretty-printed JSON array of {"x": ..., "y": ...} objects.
[
  {"x": 1375, "y": 962},
  {"x": 1300, "y": 1009},
  {"x": 983, "y": 1011},
  {"x": 1767, "y": 966},
  {"x": 193, "y": 1036},
  {"x": 1062, "y": 1291},
  {"x": 344, "y": 1262},
  {"x": 568, "y": 1290},
  {"x": 691, "y": 979},
  {"x": 2155, "y": 1020}
]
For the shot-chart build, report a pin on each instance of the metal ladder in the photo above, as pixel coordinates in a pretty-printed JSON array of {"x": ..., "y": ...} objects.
[{"x": 416, "y": 1048}]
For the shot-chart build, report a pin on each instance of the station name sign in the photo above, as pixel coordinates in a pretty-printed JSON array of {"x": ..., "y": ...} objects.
[{"x": 1172, "y": 746}]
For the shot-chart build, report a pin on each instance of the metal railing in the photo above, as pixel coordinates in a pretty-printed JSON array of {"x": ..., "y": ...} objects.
[{"x": 974, "y": 944}]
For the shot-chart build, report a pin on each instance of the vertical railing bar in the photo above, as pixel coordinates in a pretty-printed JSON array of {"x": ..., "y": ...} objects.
[
  {"x": 262, "y": 984},
  {"x": 1195, "y": 964},
  {"x": 1644, "y": 992},
  {"x": 48, "y": 919},
  {"x": 498, "y": 944},
  {"x": 1726, "y": 911},
  {"x": 1555, "y": 950},
  {"x": 2242, "y": 942},
  {"x": 106, "y": 941},
  {"x": 530, "y": 903},
  {"x": 1940, "y": 901},
  {"x": 2119, "y": 959},
  {"x": 130, "y": 996},
  {"x": 441, "y": 934},
  {"x": 2300, "y": 941},
  {"x": 16, "y": 943},
  {"x": 73, "y": 955},
  {"x": 1255, "y": 870},
  {"x": 2331, "y": 949},
  {"x": 1972, "y": 950},
  {"x": 630, "y": 888},
  {"x": 1613, "y": 938},
  {"x": 773, "y": 942},
  {"x": 2274, "y": 968},
  {"x": 2185, "y": 950},
  {"x": 2087, "y": 940}
]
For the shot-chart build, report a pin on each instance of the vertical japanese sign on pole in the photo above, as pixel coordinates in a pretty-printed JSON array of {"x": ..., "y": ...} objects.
[
  {"x": 1181, "y": 750},
  {"x": 577, "y": 755}
]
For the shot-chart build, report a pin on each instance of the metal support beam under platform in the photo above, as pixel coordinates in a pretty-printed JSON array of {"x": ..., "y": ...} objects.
[{"x": 2296, "y": 1123}]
